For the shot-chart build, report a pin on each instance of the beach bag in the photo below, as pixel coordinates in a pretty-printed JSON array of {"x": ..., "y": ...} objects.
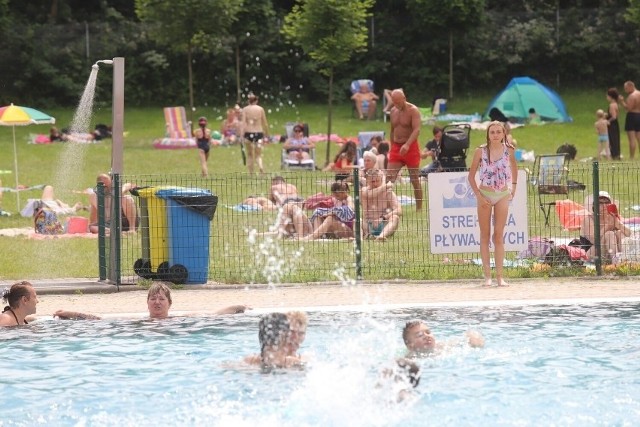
[
  {"x": 539, "y": 247},
  {"x": 45, "y": 221}
]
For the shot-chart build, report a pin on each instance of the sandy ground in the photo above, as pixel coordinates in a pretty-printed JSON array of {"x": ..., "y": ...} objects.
[{"x": 316, "y": 296}]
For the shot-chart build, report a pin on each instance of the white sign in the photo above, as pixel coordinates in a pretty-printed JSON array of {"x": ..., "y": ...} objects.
[{"x": 453, "y": 215}]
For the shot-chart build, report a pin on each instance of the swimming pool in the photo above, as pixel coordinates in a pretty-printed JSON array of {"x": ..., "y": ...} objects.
[{"x": 573, "y": 365}]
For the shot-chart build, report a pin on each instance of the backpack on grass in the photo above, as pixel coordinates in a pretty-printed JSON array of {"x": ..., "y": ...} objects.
[{"x": 45, "y": 221}]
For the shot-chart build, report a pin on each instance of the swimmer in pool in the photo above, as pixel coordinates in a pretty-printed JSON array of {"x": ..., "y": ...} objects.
[
  {"x": 158, "y": 303},
  {"x": 420, "y": 341},
  {"x": 22, "y": 300},
  {"x": 274, "y": 334}
]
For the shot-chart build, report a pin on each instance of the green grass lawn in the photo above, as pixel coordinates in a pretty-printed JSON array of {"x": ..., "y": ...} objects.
[{"x": 73, "y": 168}]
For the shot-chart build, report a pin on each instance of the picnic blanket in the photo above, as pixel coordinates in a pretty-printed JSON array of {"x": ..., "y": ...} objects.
[{"x": 31, "y": 234}]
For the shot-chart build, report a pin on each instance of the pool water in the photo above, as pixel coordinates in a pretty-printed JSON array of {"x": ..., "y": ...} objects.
[{"x": 573, "y": 365}]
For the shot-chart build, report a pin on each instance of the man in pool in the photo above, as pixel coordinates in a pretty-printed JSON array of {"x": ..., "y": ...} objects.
[
  {"x": 22, "y": 300},
  {"x": 158, "y": 303},
  {"x": 420, "y": 341}
]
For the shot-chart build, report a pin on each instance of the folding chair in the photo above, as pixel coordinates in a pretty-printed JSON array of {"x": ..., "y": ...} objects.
[
  {"x": 178, "y": 130},
  {"x": 286, "y": 162},
  {"x": 364, "y": 141},
  {"x": 354, "y": 88},
  {"x": 549, "y": 179}
]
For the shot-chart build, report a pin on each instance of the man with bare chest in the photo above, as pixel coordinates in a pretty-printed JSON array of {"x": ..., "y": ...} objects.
[
  {"x": 405, "y": 129},
  {"x": 632, "y": 123}
]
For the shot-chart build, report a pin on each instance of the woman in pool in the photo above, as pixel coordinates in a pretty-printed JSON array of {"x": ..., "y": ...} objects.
[
  {"x": 158, "y": 303},
  {"x": 22, "y": 300},
  {"x": 496, "y": 163}
]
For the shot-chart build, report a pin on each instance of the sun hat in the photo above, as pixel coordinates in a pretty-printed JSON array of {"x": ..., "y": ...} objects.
[{"x": 605, "y": 195}]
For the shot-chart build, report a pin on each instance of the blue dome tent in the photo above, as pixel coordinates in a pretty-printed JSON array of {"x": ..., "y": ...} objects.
[{"x": 523, "y": 93}]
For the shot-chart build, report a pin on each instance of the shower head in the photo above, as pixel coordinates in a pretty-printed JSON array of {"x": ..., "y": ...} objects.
[{"x": 104, "y": 61}]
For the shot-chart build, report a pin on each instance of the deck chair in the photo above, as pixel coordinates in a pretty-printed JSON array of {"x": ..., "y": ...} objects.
[
  {"x": 286, "y": 162},
  {"x": 178, "y": 130},
  {"x": 549, "y": 180},
  {"x": 354, "y": 88},
  {"x": 364, "y": 141}
]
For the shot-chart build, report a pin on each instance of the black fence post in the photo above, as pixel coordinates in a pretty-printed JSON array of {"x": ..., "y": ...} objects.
[{"x": 116, "y": 229}]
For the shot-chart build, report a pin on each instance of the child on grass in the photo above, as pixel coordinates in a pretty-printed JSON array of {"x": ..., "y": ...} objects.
[{"x": 603, "y": 135}]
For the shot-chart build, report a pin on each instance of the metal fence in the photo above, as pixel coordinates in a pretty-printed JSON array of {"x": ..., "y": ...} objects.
[{"x": 239, "y": 245}]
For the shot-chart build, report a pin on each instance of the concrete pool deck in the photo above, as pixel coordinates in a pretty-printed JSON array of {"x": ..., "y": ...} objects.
[{"x": 89, "y": 295}]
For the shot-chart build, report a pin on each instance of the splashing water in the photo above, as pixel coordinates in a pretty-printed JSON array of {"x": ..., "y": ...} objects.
[{"x": 68, "y": 172}]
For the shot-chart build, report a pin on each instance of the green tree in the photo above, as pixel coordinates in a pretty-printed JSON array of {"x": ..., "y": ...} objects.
[
  {"x": 187, "y": 25},
  {"x": 455, "y": 17},
  {"x": 329, "y": 31}
]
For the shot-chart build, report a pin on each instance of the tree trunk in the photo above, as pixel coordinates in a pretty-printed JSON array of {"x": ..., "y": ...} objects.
[
  {"x": 329, "y": 117},
  {"x": 450, "y": 64},
  {"x": 238, "y": 91},
  {"x": 190, "y": 67}
]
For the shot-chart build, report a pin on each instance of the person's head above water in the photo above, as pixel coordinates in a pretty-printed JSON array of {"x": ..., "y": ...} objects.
[
  {"x": 159, "y": 300},
  {"x": 22, "y": 300},
  {"x": 273, "y": 330},
  {"x": 417, "y": 337}
]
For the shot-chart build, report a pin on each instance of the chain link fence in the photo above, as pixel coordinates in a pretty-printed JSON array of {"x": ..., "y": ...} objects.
[{"x": 239, "y": 242}]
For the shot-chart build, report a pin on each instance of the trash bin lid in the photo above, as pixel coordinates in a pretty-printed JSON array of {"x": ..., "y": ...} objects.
[
  {"x": 147, "y": 192},
  {"x": 197, "y": 199}
]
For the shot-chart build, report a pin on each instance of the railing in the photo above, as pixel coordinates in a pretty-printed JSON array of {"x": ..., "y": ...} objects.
[{"x": 244, "y": 248}]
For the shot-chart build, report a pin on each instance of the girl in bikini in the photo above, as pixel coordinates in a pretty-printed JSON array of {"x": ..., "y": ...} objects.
[
  {"x": 496, "y": 164},
  {"x": 22, "y": 300}
]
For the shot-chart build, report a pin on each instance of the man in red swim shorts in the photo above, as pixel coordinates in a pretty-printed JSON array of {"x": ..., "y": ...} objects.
[{"x": 405, "y": 128}]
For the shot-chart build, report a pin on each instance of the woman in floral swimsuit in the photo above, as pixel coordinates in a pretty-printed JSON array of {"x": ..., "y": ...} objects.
[{"x": 498, "y": 172}]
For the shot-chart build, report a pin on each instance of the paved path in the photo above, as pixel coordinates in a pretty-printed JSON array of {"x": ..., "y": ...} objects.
[{"x": 91, "y": 296}]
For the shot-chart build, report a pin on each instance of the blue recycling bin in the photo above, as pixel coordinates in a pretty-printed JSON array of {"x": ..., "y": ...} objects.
[{"x": 189, "y": 214}]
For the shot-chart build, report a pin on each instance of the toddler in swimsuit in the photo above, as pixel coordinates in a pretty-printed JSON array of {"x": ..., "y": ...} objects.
[{"x": 603, "y": 135}]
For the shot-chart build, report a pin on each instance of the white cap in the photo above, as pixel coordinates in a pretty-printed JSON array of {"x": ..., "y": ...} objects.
[{"x": 606, "y": 195}]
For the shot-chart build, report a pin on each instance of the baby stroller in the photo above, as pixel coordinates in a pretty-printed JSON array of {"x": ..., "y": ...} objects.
[{"x": 453, "y": 148}]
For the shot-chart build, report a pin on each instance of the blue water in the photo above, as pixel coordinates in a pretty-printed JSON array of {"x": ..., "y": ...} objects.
[{"x": 541, "y": 366}]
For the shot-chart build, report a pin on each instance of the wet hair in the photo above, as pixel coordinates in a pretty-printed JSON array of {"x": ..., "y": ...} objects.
[
  {"x": 339, "y": 186},
  {"x": 13, "y": 295},
  {"x": 407, "y": 327},
  {"x": 158, "y": 288},
  {"x": 297, "y": 318},
  {"x": 272, "y": 329},
  {"x": 409, "y": 370},
  {"x": 613, "y": 93}
]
